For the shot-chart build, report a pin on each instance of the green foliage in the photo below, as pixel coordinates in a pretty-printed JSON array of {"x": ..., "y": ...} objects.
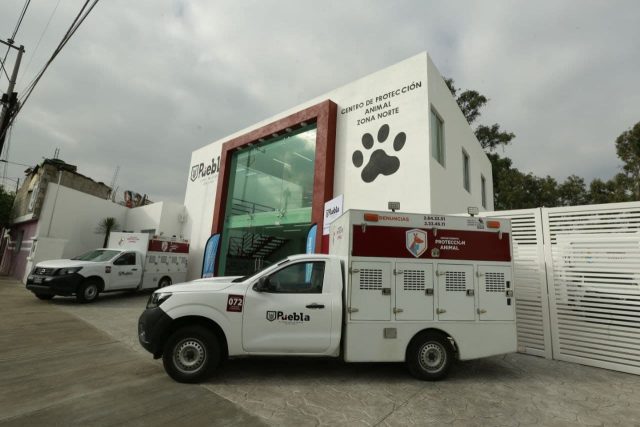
[
  {"x": 628, "y": 149},
  {"x": 490, "y": 137},
  {"x": 6, "y": 203},
  {"x": 106, "y": 225},
  {"x": 573, "y": 192},
  {"x": 470, "y": 103}
]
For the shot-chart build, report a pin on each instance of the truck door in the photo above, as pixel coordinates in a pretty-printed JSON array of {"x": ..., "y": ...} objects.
[
  {"x": 126, "y": 272},
  {"x": 370, "y": 290},
  {"x": 456, "y": 296},
  {"x": 414, "y": 291},
  {"x": 293, "y": 315},
  {"x": 495, "y": 300}
]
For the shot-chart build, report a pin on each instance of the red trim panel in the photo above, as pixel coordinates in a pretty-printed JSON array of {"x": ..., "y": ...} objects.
[
  {"x": 393, "y": 242},
  {"x": 324, "y": 115},
  {"x": 167, "y": 246}
]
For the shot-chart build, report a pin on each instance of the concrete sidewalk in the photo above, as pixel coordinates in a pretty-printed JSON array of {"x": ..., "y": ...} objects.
[{"x": 58, "y": 370}]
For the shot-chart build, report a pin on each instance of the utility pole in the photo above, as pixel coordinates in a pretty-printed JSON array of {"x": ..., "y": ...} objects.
[{"x": 9, "y": 99}]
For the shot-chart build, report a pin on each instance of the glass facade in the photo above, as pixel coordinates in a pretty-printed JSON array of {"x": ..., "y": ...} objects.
[{"x": 268, "y": 206}]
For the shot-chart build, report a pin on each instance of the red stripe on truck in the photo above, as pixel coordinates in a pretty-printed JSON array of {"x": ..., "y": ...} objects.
[
  {"x": 168, "y": 246},
  {"x": 394, "y": 242}
]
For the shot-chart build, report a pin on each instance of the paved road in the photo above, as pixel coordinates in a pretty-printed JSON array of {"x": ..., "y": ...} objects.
[
  {"x": 509, "y": 390},
  {"x": 58, "y": 370}
]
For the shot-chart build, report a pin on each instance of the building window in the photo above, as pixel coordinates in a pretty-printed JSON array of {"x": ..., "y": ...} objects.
[
  {"x": 465, "y": 171},
  {"x": 483, "y": 187},
  {"x": 437, "y": 137}
]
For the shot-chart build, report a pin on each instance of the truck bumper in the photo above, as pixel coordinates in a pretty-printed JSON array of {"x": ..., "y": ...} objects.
[
  {"x": 152, "y": 327},
  {"x": 54, "y": 285}
]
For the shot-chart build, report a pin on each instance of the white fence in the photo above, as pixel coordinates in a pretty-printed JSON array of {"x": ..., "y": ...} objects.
[{"x": 577, "y": 283}]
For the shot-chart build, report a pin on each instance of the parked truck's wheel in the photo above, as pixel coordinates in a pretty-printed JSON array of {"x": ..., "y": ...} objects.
[
  {"x": 88, "y": 291},
  {"x": 191, "y": 354},
  {"x": 44, "y": 297},
  {"x": 429, "y": 356},
  {"x": 164, "y": 282}
]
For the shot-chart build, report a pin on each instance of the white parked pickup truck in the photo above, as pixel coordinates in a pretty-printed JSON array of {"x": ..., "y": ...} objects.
[
  {"x": 132, "y": 261},
  {"x": 419, "y": 289}
]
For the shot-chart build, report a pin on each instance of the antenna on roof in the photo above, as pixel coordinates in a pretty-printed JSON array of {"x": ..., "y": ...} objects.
[
  {"x": 56, "y": 153},
  {"x": 115, "y": 176}
]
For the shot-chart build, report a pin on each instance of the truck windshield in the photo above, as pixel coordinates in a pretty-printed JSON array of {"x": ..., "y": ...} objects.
[{"x": 97, "y": 255}]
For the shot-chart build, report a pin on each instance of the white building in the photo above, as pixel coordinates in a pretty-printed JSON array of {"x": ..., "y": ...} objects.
[{"x": 395, "y": 135}]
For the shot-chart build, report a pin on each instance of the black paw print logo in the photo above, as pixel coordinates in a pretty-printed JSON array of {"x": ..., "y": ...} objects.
[{"x": 379, "y": 162}]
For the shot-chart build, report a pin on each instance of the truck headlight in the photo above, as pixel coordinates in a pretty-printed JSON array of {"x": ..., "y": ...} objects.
[
  {"x": 70, "y": 270},
  {"x": 158, "y": 298}
]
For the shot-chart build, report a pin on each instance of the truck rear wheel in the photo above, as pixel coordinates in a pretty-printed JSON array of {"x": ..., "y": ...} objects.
[
  {"x": 429, "y": 356},
  {"x": 88, "y": 291},
  {"x": 191, "y": 354}
]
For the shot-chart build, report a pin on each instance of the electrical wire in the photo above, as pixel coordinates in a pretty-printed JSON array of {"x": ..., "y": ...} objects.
[
  {"x": 79, "y": 19},
  {"x": 72, "y": 29},
  {"x": 46, "y": 27},
  {"x": 13, "y": 36}
]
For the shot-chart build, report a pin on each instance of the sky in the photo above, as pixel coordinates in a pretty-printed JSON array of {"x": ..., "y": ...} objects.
[{"x": 144, "y": 83}]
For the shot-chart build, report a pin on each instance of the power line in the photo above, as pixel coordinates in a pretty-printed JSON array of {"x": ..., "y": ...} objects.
[
  {"x": 72, "y": 29},
  {"x": 79, "y": 19},
  {"x": 46, "y": 27},
  {"x": 13, "y": 36}
]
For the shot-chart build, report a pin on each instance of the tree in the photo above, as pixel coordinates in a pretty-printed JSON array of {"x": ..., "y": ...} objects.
[
  {"x": 513, "y": 189},
  {"x": 6, "y": 204},
  {"x": 470, "y": 103},
  {"x": 106, "y": 225},
  {"x": 573, "y": 191},
  {"x": 628, "y": 150}
]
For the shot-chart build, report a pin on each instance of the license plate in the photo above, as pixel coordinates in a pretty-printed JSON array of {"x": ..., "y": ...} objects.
[{"x": 37, "y": 280}]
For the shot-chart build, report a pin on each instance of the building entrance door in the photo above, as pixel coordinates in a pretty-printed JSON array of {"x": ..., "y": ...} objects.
[{"x": 269, "y": 202}]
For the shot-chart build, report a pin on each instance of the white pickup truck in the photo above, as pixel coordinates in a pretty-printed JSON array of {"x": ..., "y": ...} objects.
[
  {"x": 411, "y": 288},
  {"x": 132, "y": 261}
]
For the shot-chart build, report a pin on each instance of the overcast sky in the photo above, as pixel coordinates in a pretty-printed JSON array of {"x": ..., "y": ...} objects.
[{"x": 143, "y": 83}]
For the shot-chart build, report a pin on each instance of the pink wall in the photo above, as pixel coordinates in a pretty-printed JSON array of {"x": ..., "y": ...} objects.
[{"x": 14, "y": 260}]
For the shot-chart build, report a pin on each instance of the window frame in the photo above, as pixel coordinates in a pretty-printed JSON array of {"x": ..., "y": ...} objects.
[
  {"x": 483, "y": 191},
  {"x": 439, "y": 143},
  {"x": 466, "y": 171}
]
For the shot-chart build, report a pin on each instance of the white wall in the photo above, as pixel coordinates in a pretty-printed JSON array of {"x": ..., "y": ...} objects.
[
  {"x": 172, "y": 220},
  {"x": 199, "y": 200},
  {"x": 143, "y": 218},
  {"x": 163, "y": 217},
  {"x": 69, "y": 219},
  {"x": 413, "y": 83},
  {"x": 447, "y": 192},
  {"x": 74, "y": 216}
]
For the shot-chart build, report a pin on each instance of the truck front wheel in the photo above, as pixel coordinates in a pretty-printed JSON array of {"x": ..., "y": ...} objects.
[
  {"x": 429, "y": 356},
  {"x": 164, "y": 282},
  {"x": 191, "y": 354},
  {"x": 88, "y": 291}
]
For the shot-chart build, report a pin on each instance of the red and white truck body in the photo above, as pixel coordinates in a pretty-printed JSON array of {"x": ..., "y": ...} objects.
[
  {"x": 395, "y": 287},
  {"x": 161, "y": 257},
  {"x": 409, "y": 272}
]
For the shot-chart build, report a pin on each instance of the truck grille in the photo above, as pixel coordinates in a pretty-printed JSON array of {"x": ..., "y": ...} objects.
[{"x": 44, "y": 271}]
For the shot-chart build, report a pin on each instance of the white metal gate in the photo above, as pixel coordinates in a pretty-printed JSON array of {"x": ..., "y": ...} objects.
[
  {"x": 530, "y": 282},
  {"x": 577, "y": 283}
]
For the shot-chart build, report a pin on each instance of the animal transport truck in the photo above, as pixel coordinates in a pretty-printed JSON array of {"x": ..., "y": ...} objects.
[
  {"x": 131, "y": 261},
  {"x": 395, "y": 287}
]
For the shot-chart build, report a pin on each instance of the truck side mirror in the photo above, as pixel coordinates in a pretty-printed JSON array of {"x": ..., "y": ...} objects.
[{"x": 262, "y": 285}]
